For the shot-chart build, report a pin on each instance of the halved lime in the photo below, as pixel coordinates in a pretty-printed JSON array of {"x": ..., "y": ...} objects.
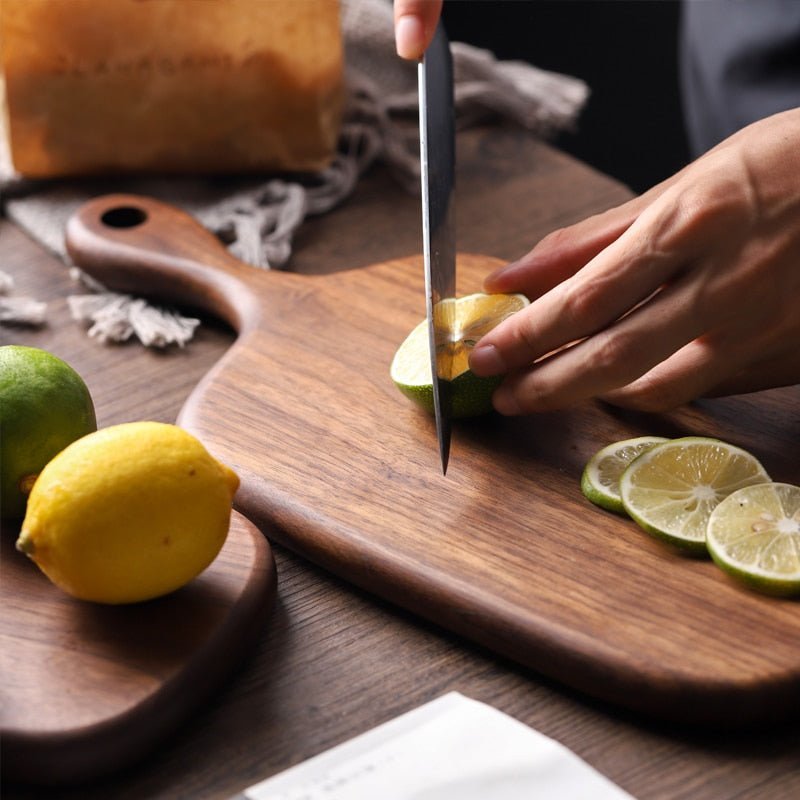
[
  {"x": 754, "y": 535},
  {"x": 600, "y": 479},
  {"x": 671, "y": 489},
  {"x": 473, "y": 316}
]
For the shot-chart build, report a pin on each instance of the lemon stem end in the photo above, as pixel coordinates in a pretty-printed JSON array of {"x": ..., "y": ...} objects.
[{"x": 25, "y": 544}]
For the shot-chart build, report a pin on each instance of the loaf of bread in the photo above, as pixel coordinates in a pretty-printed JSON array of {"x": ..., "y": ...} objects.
[{"x": 170, "y": 86}]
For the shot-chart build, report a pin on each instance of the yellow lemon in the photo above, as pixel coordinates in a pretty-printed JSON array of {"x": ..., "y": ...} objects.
[
  {"x": 128, "y": 513},
  {"x": 471, "y": 317}
]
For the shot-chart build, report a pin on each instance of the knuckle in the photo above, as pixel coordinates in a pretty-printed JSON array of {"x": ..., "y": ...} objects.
[
  {"x": 724, "y": 203},
  {"x": 523, "y": 335},
  {"x": 555, "y": 238},
  {"x": 530, "y": 393},
  {"x": 651, "y": 393},
  {"x": 582, "y": 303},
  {"x": 610, "y": 354}
]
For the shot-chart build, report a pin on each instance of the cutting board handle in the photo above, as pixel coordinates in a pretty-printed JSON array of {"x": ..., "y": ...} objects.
[{"x": 137, "y": 244}]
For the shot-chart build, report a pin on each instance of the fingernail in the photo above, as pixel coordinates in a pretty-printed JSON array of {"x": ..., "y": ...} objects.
[
  {"x": 485, "y": 360},
  {"x": 408, "y": 36}
]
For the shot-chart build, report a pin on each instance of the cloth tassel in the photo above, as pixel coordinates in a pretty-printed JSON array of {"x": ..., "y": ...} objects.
[
  {"x": 117, "y": 317},
  {"x": 19, "y": 310}
]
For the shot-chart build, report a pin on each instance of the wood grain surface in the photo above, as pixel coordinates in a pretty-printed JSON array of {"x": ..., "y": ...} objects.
[
  {"x": 333, "y": 660},
  {"x": 504, "y": 549},
  {"x": 88, "y": 688}
]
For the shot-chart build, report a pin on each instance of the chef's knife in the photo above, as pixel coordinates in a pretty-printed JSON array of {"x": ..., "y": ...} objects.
[{"x": 437, "y": 167}]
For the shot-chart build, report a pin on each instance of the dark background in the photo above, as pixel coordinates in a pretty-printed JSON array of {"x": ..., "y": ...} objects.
[{"x": 625, "y": 50}]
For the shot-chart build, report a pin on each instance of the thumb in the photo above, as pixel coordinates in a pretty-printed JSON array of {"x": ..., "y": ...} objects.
[{"x": 414, "y": 26}]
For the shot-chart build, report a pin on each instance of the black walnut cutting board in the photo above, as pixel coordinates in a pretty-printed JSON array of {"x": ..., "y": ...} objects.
[
  {"x": 87, "y": 688},
  {"x": 504, "y": 550}
]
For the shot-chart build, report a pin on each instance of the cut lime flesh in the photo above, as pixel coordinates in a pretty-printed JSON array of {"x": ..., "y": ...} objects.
[
  {"x": 471, "y": 317},
  {"x": 754, "y": 535},
  {"x": 672, "y": 489},
  {"x": 600, "y": 479}
]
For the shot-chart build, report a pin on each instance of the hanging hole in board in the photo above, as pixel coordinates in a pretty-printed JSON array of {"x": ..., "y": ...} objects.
[{"x": 123, "y": 217}]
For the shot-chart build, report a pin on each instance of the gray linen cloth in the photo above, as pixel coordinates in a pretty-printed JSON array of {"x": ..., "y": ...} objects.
[{"x": 257, "y": 218}]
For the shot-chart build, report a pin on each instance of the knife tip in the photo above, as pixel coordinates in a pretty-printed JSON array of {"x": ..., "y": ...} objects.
[{"x": 445, "y": 454}]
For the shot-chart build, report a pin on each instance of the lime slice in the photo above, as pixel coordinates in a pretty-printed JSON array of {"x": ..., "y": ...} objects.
[
  {"x": 600, "y": 479},
  {"x": 474, "y": 316},
  {"x": 671, "y": 489},
  {"x": 754, "y": 535}
]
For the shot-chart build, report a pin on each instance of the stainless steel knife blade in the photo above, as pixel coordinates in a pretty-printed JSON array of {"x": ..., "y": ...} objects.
[{"x": 437, "y": 167}]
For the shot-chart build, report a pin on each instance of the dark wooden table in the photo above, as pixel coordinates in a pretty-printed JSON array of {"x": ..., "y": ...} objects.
[{"x": 334, "y": 662}]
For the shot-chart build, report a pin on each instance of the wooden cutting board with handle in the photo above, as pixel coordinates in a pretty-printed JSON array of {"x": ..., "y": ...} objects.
[{"x": 504, "y": 550}]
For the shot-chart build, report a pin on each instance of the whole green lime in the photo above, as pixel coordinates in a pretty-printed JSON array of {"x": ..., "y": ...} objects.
[{"x": 44, "y": 406}]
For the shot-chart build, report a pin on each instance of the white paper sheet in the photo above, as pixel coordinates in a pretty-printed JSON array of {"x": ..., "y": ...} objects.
[{"x": 452, "y": 748}]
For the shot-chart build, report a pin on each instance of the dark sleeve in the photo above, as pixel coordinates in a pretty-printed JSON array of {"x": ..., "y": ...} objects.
[{"x": 740, "y": 62}]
